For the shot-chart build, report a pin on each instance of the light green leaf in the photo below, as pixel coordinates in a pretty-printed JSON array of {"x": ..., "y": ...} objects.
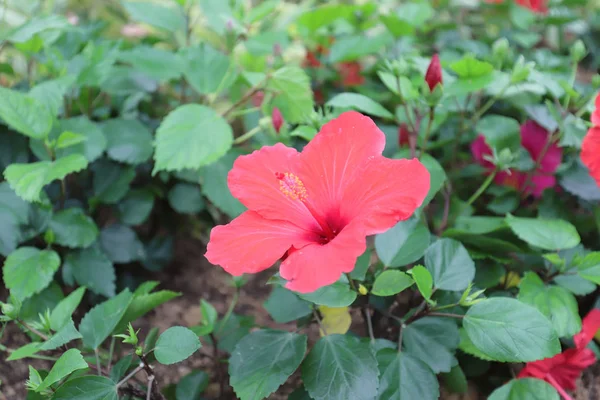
[
  {"x": 556, "y": 303},
  {"x": 391, "y": 282},
  {"x": 121, "y": 244},
  {"x": 588, "y": 267},
  {"x": 90, "y": 267},
  {"x": 157, "y": 63},
  {"x": 61, "y": 337},
  {"x": 324, "y": 15},
  {"x": 191, "y": 386},
  {"x": 28, "y": 180},
  {"x": 285, "y": 306},
  {"x": 135, "y": 208},
  {"x": 72, "y": 228},
  {"x": 68, "y": 139},
  {"x": 500, "y": 132},
  {"x": 142, "y": 304},
  {"x": 403, "y": 244},
  {"x": 469, "y": 67},
  {"x": 362, "y": 266},
  {"x": 205, "y": 68},
  {"x": 168, "y": 18},
  {"x": 87, "y": 388},
  {"x": 337, "y": 294},
  {"x": 433, "y": 341},
  {"x": 214, "y": 187},
  {"x": 360, "y": 103},
  {"x": 450, "y": 265},
  {"x": 189, "y": 137},
  {"x": 70, "y": 361},
  {"x": 547, "y": 234},
  {"x": 175, "y": 344},
  {"x": 101, "y": 320},
  {"x": 128, "y": 140},
  {"x": 525, "y": 389},
  {"x": 186, "y": 198},
  {"x": 93, "y": 145},
  {"x": 61, "y": 314},
  {"x": 51, "y": 93},
  {"x": 263, "y": 360},
  {"x": 353, "y": 47},
  {"x": 36, "y": 25},
  {"x": 405, "y": 377},
  {"x": 25, "y": 114},
  {"x": 424, "y": 280},
  {"x": 28, "y": 271},
  {"x": 508, "y": 330},
  {"x": 24, "y": 351},
  {"x": 340, "y": 367},
  {"x": 293, "y": 93}
]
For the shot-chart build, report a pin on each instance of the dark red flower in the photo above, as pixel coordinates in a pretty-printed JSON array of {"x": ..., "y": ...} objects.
[
  {"x": 563, "y": 370},
  {"x": 433, "y": 76},
  {"x": 403, "y": 135},
  {"x": 321, "y": 202},
  {"x": 277, "y": 119},
  {"x": 311, "y": 60},
  {"x": 533, "y": 139},
  {"x": 590, "y": 148},
  {"x": 350, "y": 73}
]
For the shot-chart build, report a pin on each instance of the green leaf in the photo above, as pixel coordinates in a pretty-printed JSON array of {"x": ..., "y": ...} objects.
[
  {"x": 91, "y": 268},
  {"x": 214, "y": 187},
  {"x": 433, "y": 341},
  {"x": 68, "y": 139},
  {"x": 61, "y": 337},
  {"x": 450, "y": 265},
  {"x": 36, "y": 25},
  {"x": 25, "y": 114},
  {"x": 469, "y": 67},
  {"x": 455, "y": 380},
  {"x": 525, "y": 389},
  {"x": 111, "y": 181},
  {"x": 70, "y": 361},
  {"x": 362, "y": 266},
  {"x": 353, "y": 47},
  {"x": 121, "y": 244},
  {"x": 508, "y": 330},
  {"x": 128, "y": 141},
  {"x": 120, "y": 368},
  {"x": 234, "y": 329},
  {"x": 28, "y": 271},
  {"x": 547, "y": 234},
  {"x": 87, "y": 388},
  {"x": 24, "y": 351},
  {"x": 175, "y": 344},
  {"x": 391, "y": 282},
  {"x": 205, "y": 68},
  {"x": 403, "y": 244},
  {"x": 189, "y": 137},
  {"x": 285, "y": 306},
  {"x": 340, "y": 367},
  {"x": 94, "y": 144},
  {"x": 423, "y": 279},
  {"x": 72, "y": 228},
  {"x": 142, "y": 304},
  {"x": 168, "y": 18},
  {"x": 578, "y": 181},
  {"x": 28, "y": 180},
  {"x": 500, "y": 132},
  {"x": 191, "y": 386},
  {"x": 186, "y": 198},
  {"x": 588, "y": 267},
  {"x": 324, "y": 15},
  {"x": 556, "y": 303},
  {"x": 405, "y": 377},
  {"x": 360, "y": 103},
  {"x": 157, "y": 63},
  {"x": 293, "y": 93},
  {"x": 101, "y": 320},
  {"x": 61, "y": 314},
  {"x": 337, "y": 294},
  {"x": 208, "y": 321},
  {"x": 51, "y": 93},
  {"x": 135, "y": 208},
  {"x": 263, "y": 360}
]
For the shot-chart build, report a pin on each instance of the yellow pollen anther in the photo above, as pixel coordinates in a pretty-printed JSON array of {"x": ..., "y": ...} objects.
[{"x": 291, "y": 186}]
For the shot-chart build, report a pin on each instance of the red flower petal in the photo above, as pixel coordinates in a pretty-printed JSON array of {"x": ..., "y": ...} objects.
[
  {"x": 533, "y": 139},
  {"x": 480, "y": 149},
  {"x": 351, "y": 73},
  {"x": 387, "y": 191},
  {"x": 590, "y": 152},
  {"x": 539, "y": 183},
  {"x": 316, "y": 265},
  {"x": 596, "y": 114},
  {"x": 589, "y": 327},
  {"x": 333, "y": 159},
  {"x": 538, "y": 6},
  {"x": 251, "y": 243},
  {"x": 253, "y": 181},
  {"x": 433, "y": 76}
]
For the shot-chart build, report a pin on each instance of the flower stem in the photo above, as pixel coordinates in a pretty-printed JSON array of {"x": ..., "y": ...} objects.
[
  {"x": 428, "y": 130},
  {"x": 483, "y": 187},
  {"x": 98, "y": 365},
  {"x": 130, "y": 375},
  {"x": 321, "y": 327},
  {"x": 447, "y": 315},
  {"x": 227, "y": 315},
  {"x": 247, "y": 135}
]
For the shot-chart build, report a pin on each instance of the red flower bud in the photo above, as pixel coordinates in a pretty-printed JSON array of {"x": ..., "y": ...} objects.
[
  {"x": 277, "y": 119},
  {"x": 257, "y": 99},
  {"x": 403, "y": 135},
  {"x": 433, "y": 76}
]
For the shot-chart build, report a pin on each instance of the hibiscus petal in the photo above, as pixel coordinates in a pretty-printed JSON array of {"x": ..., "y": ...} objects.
[
  {"x": 590, "y": 152},
  {"x": 253, "y": 181},
  {"x": 316, "y": 265},
  {"x": 385, "y": 192},
  {"x": 596, "y": 114},
  {"x": 534, "y": 138},
  {"x": 480, "y": 149},
  {"x": 251, "y": 243},
  {"x": 589, "y": 327},
  {"x": 539, "y": 183},
  {"x": 331, "y": 160},
  {"x": 576, "y": 360}
]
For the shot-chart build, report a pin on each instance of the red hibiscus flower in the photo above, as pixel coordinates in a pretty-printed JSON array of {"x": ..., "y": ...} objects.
[
  {"x": 350, "y": 73},
  {"x": 320, "y": 203},
  {"x": 562, "y": 370},
  {"x": 533, "y": 139},
  {"x": 590, "y": 148},
  {"x": 538, "y": 6},
  {"x": 433, "y": 76}
]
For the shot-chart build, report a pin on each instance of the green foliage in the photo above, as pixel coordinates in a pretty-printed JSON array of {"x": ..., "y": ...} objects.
[
  {"x": 101, "y": 320},
  {"x": 176, "y": 344},
  {"x": 25, "y": 263},
  {"x": 527, "y": 388},
  {"x": 391, "y": 282}
]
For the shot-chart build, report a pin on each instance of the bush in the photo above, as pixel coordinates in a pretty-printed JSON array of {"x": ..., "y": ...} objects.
[{"x": 424, "y": 174}]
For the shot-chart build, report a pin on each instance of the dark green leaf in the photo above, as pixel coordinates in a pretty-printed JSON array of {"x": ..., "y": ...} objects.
[
  {"x": 87, "y": 388},
  {"x": 450, "y": 265},
  {"x": 214, "y": 187},
  {"x": 70, "y": 361},
  {"x": 403, "y": 244},
  {"x": 157, "y": 63},
  {"x": 120, "y": 368},
  {"x": 72, "y": 228},
  {"x": 433, "y": 341},
  {"x": 338, "y": 294},
  {"x": 186, "y": 198},
  {"x": 94, "y": 144},
  {"x": 285, "y": 306},
  {"x": 500, "y": 132},
  {"x": 176, "y": 344},
  {"x": 128, "y": 140},
  {"x": 405, "y": 377},
  {"x": 121, "y": 244},
  {"x": 142, "y": 304},
  {"x": 360, "y": 103},
  {"x": 111, "y": 181},
  {"x": 61, "y": 314},
  {"x": 525, "y": 389},
  {"x": 101, "y": 320},
  {"x": 548, "y": 234},
  {"x": 28, "y": 271},
  {"x": 91, "y": 268},
  {"x": 191, "y": 386},
  {"x": 135, "y": 208}
]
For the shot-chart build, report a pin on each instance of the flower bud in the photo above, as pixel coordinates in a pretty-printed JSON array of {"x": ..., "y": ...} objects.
[
  {"x": 277, "y": 119},
  {"x": 403, "y": 135},
  {"x": 521, "y": 70},
  {"x": 433, "y": 76},
  {"x": 362, "y": 290},
  {"x": 578, "y": 51}
]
